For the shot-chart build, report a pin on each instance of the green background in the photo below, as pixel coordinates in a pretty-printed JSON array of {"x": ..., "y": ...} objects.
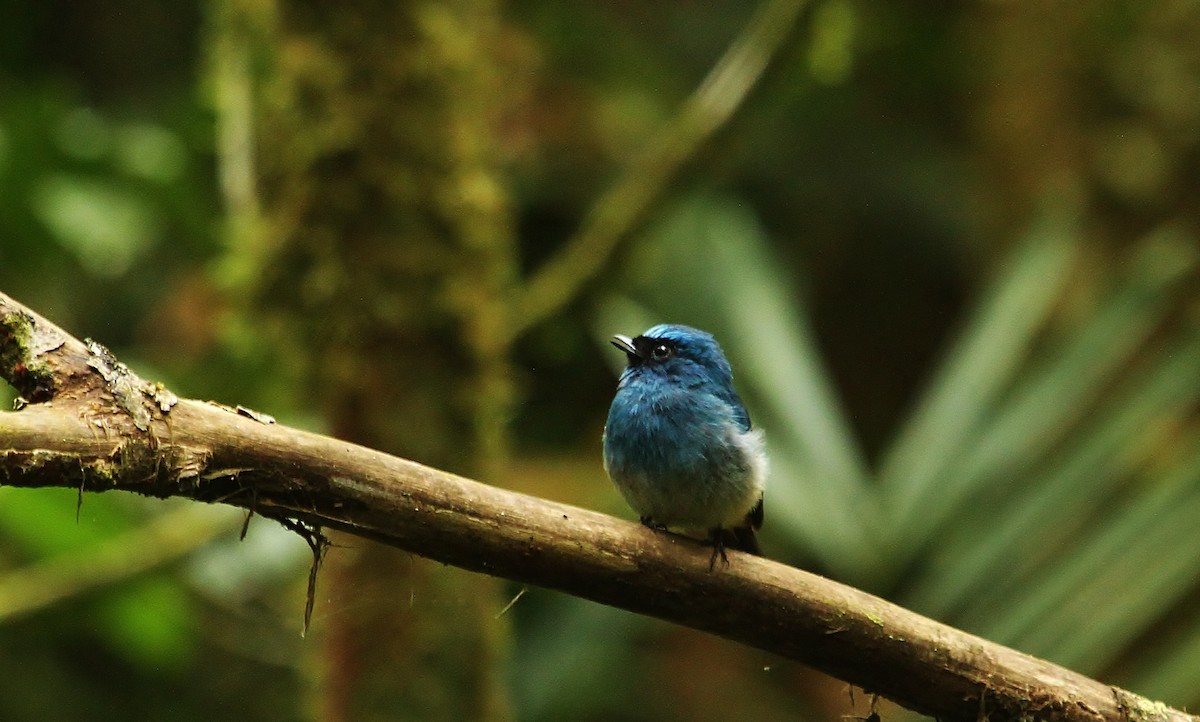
[{"x": 949, "y": 248}]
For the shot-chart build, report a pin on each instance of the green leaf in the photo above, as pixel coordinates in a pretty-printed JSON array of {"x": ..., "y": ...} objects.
[
  {"x": 997, "y": 542},
  {"x": 1048, "y": 397},
  {"x": 1029, "y": 608},
  {"x": 988, "y": 354}
]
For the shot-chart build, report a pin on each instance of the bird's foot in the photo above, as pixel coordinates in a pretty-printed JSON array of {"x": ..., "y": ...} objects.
[
  {"x": 650, "y": 523},
  {"x": 716, "y": 537}
]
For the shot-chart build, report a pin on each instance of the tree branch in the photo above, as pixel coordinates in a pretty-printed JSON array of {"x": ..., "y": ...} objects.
[{"x": 91, "y": 423}]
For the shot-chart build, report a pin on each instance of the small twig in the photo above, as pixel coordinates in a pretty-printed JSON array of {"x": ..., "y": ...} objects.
[
  {"x": 511, "y": 602},
  {"x": 79, "y": 493},
  {"x": 249, "y": 513},
  {"x": 625, "y": 204}
]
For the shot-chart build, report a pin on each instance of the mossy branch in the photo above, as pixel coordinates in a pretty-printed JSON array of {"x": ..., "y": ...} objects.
[{"x": 85, "y": 426}]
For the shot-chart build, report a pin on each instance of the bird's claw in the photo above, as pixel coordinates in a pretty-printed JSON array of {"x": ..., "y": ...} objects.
[
  {"x": 717, "y": 539},
  {"x": 650, "y": 523}
]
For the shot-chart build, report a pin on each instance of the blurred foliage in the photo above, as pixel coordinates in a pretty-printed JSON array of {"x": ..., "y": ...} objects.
[
  {"x": 1042, "y": 491},
  {"x": 951, "y": 252}
]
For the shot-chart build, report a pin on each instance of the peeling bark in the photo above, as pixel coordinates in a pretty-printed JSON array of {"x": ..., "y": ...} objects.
[{"x": 87, "y": 434}]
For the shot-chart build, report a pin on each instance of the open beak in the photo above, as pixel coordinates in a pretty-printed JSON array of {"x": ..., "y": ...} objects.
[{"x": 625, "y": 344}]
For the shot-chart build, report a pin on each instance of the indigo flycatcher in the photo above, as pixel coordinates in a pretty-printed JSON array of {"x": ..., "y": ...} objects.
[{"x": 678, "y": 443}]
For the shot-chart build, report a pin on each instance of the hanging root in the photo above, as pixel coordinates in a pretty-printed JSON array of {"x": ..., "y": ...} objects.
[{"x": 318, "y": 543}]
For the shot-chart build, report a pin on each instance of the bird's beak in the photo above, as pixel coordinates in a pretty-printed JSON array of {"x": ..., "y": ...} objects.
[{"x": 625, "y": 344}]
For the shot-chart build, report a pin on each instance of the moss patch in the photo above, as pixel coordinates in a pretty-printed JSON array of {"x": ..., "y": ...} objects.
[{"x": 19, "y": 364}]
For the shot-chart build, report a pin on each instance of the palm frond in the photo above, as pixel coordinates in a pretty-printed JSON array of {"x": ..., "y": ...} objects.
[
  {"x": 1019, "y": 500},
  {"x": 914, "y": 471}
]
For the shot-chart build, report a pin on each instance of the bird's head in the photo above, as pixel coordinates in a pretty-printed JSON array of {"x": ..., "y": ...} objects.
[{"x": 683, "y": 353}]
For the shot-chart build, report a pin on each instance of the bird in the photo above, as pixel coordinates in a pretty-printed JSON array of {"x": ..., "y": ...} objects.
[{"x": 678, "y": 443}]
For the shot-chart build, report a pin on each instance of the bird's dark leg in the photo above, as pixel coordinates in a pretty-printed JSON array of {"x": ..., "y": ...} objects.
[{"x": 716, "y": 537}]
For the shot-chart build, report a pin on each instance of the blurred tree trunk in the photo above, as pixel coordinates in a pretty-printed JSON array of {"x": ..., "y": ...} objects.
[{"x": 372, "y": 232}]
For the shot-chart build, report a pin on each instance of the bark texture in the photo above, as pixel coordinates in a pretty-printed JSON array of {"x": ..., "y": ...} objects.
[{"x": 92, "y": 424}]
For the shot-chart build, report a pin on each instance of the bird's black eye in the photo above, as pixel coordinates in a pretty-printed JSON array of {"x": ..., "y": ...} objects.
[{"x": 661, "y": 352}]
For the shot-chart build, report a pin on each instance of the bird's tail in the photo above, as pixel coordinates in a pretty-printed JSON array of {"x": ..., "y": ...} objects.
[{"x": 743, "y": 538}]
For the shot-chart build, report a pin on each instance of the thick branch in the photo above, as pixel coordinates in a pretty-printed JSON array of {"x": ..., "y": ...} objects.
[{"x": 84, "y": 431}]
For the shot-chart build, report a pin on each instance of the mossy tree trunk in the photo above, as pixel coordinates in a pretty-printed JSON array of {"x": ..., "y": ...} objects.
[{"x": 371, "y": 228}]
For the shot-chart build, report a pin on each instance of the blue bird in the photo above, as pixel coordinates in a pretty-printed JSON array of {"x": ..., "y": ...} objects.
[{"x": 678, "y": 443}]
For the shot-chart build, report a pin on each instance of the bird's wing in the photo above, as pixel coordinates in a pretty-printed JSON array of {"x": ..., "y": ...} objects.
[{"x": 740, "y": 416}]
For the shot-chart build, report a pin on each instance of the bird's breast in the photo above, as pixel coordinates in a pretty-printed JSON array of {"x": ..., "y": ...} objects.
[{"x": 670, "y": 434}]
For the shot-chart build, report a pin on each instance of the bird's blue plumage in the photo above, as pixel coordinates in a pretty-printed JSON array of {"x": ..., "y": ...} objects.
[{"x": 678, "y": 443}]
